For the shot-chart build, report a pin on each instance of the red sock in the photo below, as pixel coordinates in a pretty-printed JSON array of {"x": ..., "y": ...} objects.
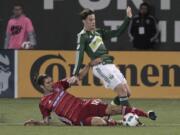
[
  {"x": 138, "y": 112},
  {"x": 111, "y": 122}
]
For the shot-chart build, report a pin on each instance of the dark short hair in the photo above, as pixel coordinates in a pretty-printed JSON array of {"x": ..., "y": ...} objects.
[
  {"x": 85, "y": 13},
  {"x": 18, "y": 4},
  {"x": 144, "y": 4},
  {"x": 39, "y": 80}
]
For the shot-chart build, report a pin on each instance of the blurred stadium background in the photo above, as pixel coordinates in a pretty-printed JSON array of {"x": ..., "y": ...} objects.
[{"x": 154, "y": 76}]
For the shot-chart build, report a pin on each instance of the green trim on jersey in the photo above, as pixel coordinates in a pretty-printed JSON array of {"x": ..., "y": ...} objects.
[{"x": 92, "y": 43}]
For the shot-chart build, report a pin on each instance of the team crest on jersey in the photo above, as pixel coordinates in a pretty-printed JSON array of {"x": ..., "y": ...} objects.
[
  {"x": 50, "y": 102},
  {"x": 96, "y": 43},
  {"x": 137, "y": 21},
  {"x": 148, "y": 21}
]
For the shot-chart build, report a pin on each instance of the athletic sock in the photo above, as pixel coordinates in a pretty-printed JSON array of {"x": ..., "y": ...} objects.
[
  {"x": 121, "y": 101},
  {"x": 111, "y": 122},
  {"x": 138, "y": 112}
]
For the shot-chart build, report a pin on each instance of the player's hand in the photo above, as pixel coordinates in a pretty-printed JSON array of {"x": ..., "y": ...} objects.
[
  {"x": 95, "y": 62},
  {"x": 129, "y": 12},
  {"x": 73, "y": 80},
  {"x": 32, "y": 122},
  {"x": 119, "y": 122},
  {"x": 29, "y": 123}
]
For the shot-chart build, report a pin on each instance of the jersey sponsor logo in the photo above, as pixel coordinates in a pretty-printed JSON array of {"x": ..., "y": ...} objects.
[
  {"x": 96, "y": 43},
  {"x": 138, "y": 72},
  {"x": 152, "y": 78},
  {"x": 16, "y": 29},
  {"x": 95, "y": 102},
  {"x": 58, "y": 99}
]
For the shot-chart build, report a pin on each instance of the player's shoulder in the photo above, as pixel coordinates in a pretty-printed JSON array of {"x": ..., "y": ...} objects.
[
  {"x": 11, "y": 19},
  {"x": 82, "y": 33},
  {"x": 58, "y": 86},
  {"x": 42, "y": 100},
  {"x": 152, "y": 17},
  {"x": 25, "y": 18}
]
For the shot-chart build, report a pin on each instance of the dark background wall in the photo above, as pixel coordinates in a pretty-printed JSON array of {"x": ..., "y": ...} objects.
[{"x": 57, "y": 28}]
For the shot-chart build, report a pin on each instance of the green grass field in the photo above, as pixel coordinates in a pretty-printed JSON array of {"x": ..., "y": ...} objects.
[{"x": 13, "y": 112}]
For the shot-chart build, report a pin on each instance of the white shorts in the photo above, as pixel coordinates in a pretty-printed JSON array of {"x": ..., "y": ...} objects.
[{"x": 109, "y": 74}]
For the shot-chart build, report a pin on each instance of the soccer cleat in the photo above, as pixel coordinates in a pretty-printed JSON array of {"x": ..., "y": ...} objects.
[
  {"x": 140, "y": 124},
  {"x": 152, "y": 115}
]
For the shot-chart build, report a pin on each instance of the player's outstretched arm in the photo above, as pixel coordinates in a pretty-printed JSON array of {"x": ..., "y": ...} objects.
[
  {"x": 83, "y": 72},
  {"x": 32, "y": 122},
  {"x": 129, "y": 12},
  {"x": 106, "y": 34}
]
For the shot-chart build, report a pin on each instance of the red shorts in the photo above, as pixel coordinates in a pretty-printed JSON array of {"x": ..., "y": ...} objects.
[{"x": 92, "y": 108}]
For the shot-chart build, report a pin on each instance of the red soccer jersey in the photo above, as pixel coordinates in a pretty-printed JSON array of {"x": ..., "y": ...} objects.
[
  {"x": 65, "y": 105},
  {"x": 70, "y": 109}
]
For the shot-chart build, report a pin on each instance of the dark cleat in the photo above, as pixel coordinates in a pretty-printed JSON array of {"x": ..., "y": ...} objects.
[
  {"x": 152, "y": 115},
  {"x": 140, "y": 124}
]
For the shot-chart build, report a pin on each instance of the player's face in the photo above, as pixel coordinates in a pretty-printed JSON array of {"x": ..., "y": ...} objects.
[
  {"x": 90, "y": 22},
  {"x": 144, "y": 10},
  {"x": 48, "y": 84},
  {"x": 17, "y": 11}
]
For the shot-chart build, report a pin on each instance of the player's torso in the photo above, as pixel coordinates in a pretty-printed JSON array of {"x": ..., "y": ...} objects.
[
  {"x": 143, "y": 26},
  {"x": 18, "y": 25},
  {"x": 69, "y": 107},
  {"x": 66, "y": 106},
  {"x": 94, "y": 45},
  {"x": 18, "y": 32}
]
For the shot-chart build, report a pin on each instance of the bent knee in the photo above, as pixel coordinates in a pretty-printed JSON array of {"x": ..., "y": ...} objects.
[{"x": 98, "y": 121}]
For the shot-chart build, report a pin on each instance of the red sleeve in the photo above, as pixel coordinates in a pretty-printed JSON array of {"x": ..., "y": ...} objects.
[
  {"x": 44, "y": 111},
  {"x": 62, "y": 84}
]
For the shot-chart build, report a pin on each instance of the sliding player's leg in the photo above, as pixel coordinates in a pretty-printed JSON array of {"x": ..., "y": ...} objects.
[
  {"x": 99, "y": 121},
  {"x": 123, "y": 110},
  {"x": 94, "y": 121}
]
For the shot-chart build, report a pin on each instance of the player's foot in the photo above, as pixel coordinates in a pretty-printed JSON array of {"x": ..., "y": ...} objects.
[
  {"x": 152, "y": 115},
  {"x": 119, "y": 122},
  {"x": 140, "y": 124}
]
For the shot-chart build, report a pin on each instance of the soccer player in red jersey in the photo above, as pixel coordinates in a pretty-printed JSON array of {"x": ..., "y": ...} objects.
[{"x": 74, "y": 111}]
